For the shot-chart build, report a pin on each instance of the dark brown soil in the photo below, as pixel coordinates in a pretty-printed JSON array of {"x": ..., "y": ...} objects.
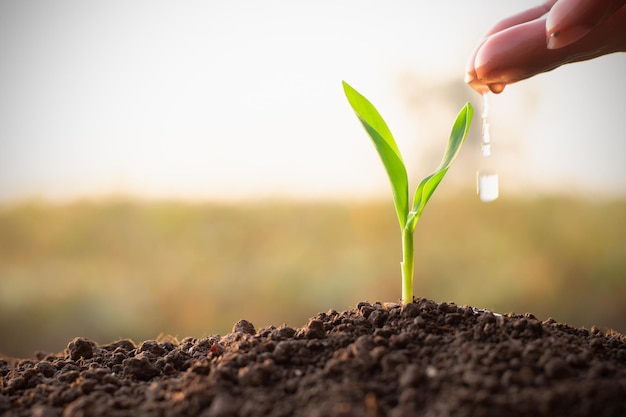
[{"x": 423, "y": 359}]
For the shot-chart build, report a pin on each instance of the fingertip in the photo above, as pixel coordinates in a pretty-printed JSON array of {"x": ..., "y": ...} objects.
[
  {"x": 478, "y": 86},
  {"x": 471, "y": 79}
]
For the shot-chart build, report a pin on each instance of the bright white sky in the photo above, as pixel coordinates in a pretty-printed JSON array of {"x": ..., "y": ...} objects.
[{"x": 238, "y": 99}]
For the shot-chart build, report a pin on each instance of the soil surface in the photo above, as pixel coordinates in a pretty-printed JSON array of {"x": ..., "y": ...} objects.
[{"x": 422, "y": 359}]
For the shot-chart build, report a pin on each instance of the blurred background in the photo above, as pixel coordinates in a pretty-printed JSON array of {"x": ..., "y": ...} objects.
[{"x": 168, "y": 168}]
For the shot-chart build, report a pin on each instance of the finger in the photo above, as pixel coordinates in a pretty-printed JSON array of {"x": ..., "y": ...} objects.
[
  {"x": 519, "y": 18},
  {"x": 571, "y": 20},
  {"x": 522, "y": 17},
  {"x": 520, "y": 52},
  {"x": 511, "y": 54}
]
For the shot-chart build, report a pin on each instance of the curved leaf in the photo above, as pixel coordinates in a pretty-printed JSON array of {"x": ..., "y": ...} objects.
[
  {"x": 428, "y": 185},
  {"x": 386, "y": 147}
]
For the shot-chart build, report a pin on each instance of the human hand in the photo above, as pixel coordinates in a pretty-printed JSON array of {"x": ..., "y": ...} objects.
[{"x": 545, "y": 37}]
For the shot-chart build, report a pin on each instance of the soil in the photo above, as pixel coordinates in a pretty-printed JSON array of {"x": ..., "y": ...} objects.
[{"x": 422, "y": 359}]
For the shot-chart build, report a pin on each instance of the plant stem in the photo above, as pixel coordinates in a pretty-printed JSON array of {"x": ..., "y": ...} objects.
[{"x": 407, "y": 266}]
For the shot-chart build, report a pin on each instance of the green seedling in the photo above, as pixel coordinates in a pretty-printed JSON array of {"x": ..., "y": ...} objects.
[{"x": 390, "y": 155}]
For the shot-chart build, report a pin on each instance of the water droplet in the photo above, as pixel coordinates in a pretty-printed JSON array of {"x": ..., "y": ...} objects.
[
  {"x": 487, "y": 186},
  {"x": 497, "y": 88}
]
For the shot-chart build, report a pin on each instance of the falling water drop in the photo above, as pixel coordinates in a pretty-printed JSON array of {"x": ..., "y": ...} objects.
[
  {"x": 486, "y": 176},
  {"x": 487, "y": 186}
]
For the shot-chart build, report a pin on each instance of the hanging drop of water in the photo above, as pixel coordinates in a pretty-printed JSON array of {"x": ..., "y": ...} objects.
[
  {"x": 486, "y": 176},
  {"x": 497, "y": 87}
]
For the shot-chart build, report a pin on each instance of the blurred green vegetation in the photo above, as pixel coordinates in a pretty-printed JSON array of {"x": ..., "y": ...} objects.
[{"x": 121, "y": 268}]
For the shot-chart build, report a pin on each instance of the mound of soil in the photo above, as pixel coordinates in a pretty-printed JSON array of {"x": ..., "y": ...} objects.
[{"x": 423, "y": 359}]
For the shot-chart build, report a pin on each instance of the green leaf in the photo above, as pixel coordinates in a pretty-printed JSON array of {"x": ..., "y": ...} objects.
[
  {"x": 387, "y": 149},
  {"x": 427, "y": 186}
]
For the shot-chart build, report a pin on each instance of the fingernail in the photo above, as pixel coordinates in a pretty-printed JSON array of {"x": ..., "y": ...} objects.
[{"x": 566, "y": 37}]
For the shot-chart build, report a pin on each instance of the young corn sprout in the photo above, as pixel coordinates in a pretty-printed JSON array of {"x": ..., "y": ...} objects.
[{"x": 390, "y": 155}]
